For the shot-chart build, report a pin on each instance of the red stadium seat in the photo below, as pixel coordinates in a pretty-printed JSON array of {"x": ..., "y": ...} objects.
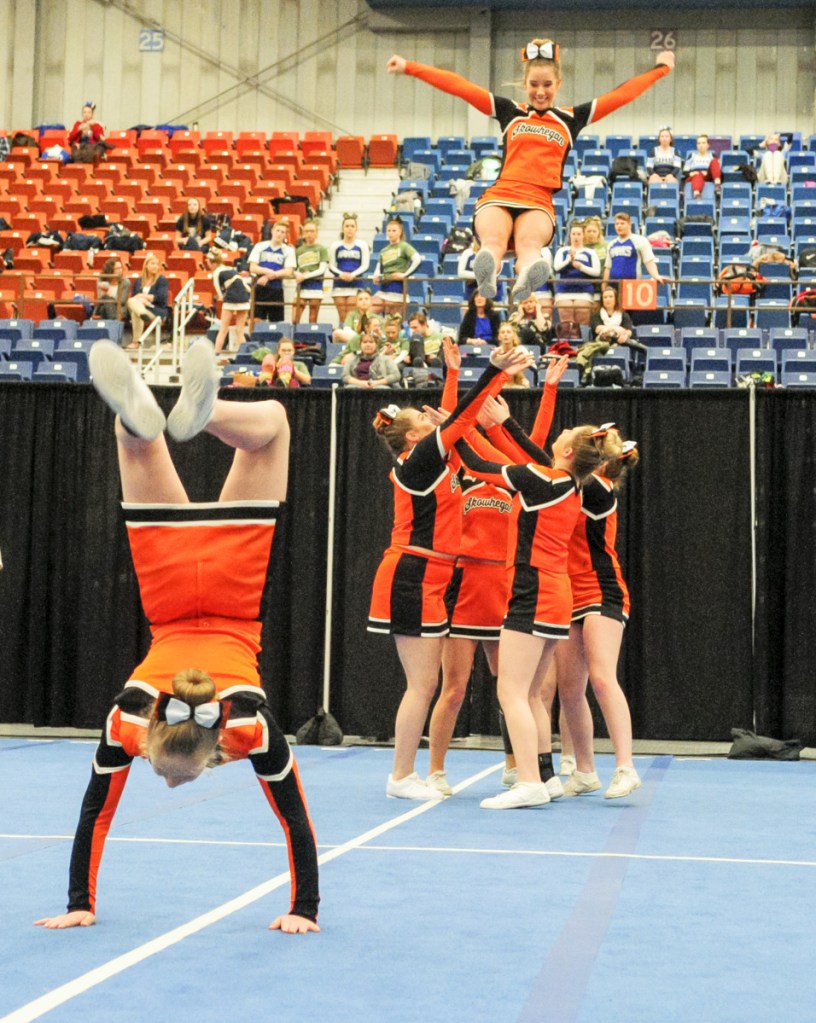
[{"x": 350, "y": 151}]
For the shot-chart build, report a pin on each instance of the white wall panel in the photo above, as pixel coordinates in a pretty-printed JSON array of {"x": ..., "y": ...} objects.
[{"x": 253, "y": 64}]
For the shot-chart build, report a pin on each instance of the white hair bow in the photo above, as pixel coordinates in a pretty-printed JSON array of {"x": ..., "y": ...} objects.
[{"x": 208, "y": 715}]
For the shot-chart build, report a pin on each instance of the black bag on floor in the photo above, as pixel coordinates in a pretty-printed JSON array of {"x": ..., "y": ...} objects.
[{"x": 321, "y": 730}]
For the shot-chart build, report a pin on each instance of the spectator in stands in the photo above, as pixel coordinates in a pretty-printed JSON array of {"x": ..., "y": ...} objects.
[
  {"x": 578, "y": 270},
  {"x": 286, "y": 371},
  {"x": 701, "y": 166},
  {"x": 369, "y": 368},
  {"x": 508, "y": 338},
  {"x": 612, "y": 323},
  {"x": 354, "y": 323},
  {"x": 312, "y": 263},
  {"x": 112, "y": 291},
  {"x": 594, "y": 237},
  {"x": 272, "y": 262},
  {"x": 627, "y": 253},
  {"x": 395, "y": 343},
  {"x": 480, "y": 324},
  {"x": 533, "y": 322},
  {"x": 149, "y": 298},
  {"x": 235, "y": 291},
  {"x": 398, "y": 260},
  {"x": 349, "y": 259},
  {"x": 772, "y": 167},
  {"x": 86, "y": 136},
  {"x": 665, "y": 164},
  {"x": 420, "y": 328},
  {"x": 194, "y": 228}
]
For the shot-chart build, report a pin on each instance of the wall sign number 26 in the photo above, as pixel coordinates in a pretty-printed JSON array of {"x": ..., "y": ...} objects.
[{"x": 663, "y": 39}]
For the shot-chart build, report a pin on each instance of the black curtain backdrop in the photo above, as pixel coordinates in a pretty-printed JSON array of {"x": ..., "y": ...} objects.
[
  {"x": 71, "y": 626},
  {"x": 785, "y": 694}
]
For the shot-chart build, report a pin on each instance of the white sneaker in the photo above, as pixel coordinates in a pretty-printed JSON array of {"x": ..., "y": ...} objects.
[
  {"x": 410, "y": 787},
  {"x": 439, "y": 781},
  {"x": 531, "y": 279},
  {"x": 200, "y": 379},
  {"x": 624, "y": 781},
  {"x": 566, "y": 765},
  {"x": 580, "y": 782},
  {"x": 523, "y": 793},
  {"x": 118, "y": 382},
  {"x": 484, "y": 270},
  {"x": 509, "y": 777},
  {"x": 555, "y": 789}
]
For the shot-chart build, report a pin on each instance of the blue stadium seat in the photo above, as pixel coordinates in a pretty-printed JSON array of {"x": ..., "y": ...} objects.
[
  {"x": 742, "y": 337},
  {"x": 731, "y": 311},
  {"x": 656, "y": 335},
  {"x": 324, "y": 377},
  {"x": 445, "y": 207},
  {"x": 736, "y": 190},
  {"x": 313, "y": 333},
  {"x": 772, "y": 314},
  {"x": 596, "y": 161},
  {"x": 697, "y": 247},
  {"x": 585, "y": 143},
  {"x": 798, "y": 379},
  {"x": 689, "y": 313},
  {"x": 282, "y": 328},
  {"x": 696, "y": 266},
  {"x": 55, "y": 372},
  {"x": 481, "y": 144},
  {"x": 616, "y": 144},
  {"x": 445, "y": 143},
  {"x": 785, "y": 339},
  {"x": 666, "y": 359},
  {"x": 771, "y": 193},
  {"x": 35, "y": 350},
  {"x": 16, "y": 369},
  {"x": 798, "y": 360},
  {"x": 414, "y": 143},
  {"x": 695, "y": 289},
  {"x": 78, "y": 358},
  {"x": 23, "y": 328},
  {"x": 448, "y": 287},
  {"x": 709, "y": 378},
  {"x": 447, "y": 310},
  {"x": 571, "y": 378},
  {"x": 664, "y": 378},
  {"x": 755, "y": 360},
  {"x": 717, "y": 359},
  {"x": 699, "y": 337},
  {"x": 5, "y": 347}
]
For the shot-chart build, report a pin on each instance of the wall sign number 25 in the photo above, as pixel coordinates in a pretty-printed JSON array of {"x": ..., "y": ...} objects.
[{"x": 663, "y": 39}]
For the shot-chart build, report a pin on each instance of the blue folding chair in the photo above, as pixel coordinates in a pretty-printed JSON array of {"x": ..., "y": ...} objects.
[
  {"x": 664, "y": 378},
  {"x": 709, "y": 378}
]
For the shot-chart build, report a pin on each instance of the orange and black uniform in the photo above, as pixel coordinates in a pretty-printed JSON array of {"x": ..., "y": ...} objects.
[
  {"x": 547, "y": 505},
  {"x": 477, "y": 597},
  {"x": 535, "y": 145},
  {"x": 201, "y": 570},
  {"x": 598, "y": 587},
  {"x": 409, "y": 588}
]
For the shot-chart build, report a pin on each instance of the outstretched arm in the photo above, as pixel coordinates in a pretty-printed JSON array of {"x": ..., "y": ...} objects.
[
  {"x": 277, "y": 774},
  {"x": 110, "y": 772},
  {"x": 445, "y": 81},
  {"x": 623, "y": 94}
]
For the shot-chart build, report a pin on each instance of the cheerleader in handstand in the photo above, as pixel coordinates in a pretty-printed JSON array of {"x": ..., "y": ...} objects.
[{"x": 196, "y": 700}]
